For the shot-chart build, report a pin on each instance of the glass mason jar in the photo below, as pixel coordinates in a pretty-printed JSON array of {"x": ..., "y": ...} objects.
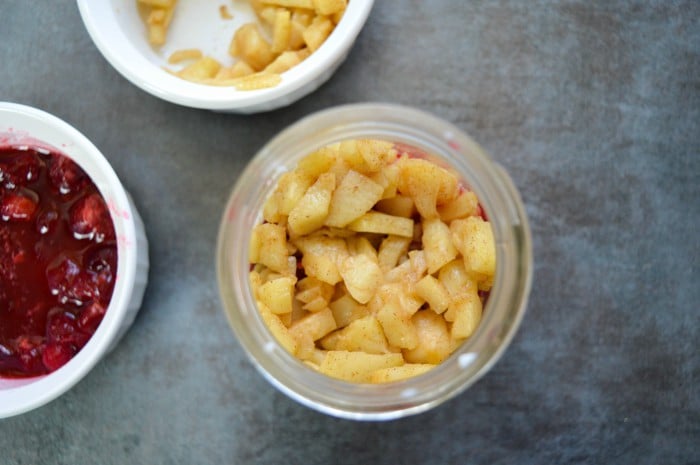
[{"x": 504, "y": 308}]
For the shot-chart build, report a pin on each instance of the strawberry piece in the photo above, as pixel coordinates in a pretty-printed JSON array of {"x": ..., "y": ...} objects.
[
  {"x": 90, "y": 219},
  {"x": 101, "y": 265},
  {"x": 29, "y": 350},
  {"x": 61, "y": 325},
  {"x": 20, "y": 170},
  {"x": 91, "y": 317},
  {"x": 68, "y": 282},
  {"x": 17, "y": 207},
  {"x": 56, "y": 355},
  {"x": 66, "y": 175}
]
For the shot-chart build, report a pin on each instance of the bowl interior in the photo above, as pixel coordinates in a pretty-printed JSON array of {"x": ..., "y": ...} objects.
[
  {"x": 197, "y": 24},
  {"x": 21, "y": 125},
  {"x": 118, "y": 31}
]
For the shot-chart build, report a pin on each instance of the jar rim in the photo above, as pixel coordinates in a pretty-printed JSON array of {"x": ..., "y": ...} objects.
[{"x": 504, "y": 309}]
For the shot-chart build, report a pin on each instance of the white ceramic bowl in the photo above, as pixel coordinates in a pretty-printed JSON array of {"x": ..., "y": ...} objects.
[
  {"x": 118, "y": 31},
  {"x": 22, "y": 125}
]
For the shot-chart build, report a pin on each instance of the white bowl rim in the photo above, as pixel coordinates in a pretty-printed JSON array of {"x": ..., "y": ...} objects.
[
  {"x": 41, "y": 390},
  {"x": 130, "y": 63}
]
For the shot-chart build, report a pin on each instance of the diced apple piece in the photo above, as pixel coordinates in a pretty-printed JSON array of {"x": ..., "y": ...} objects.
[
  {"x": 311, "y": 211},
  {"x": 239, "y": 69},
  {"x": 360, "y": 245},
  {"x": 329, "y": 7},
  {"x": 331, "y": 341},
  {"x": 399, "y": 293},
  {"x": 427, "y": 184},
  {"x": 317, "y": 32},
  {"x": 266, "y": 274},
  {"x": 362, "y": 335},
  {"x": 205, "y": 67},
  {"x": 400, "y": 273},
  {"x": 356, "y": 366},
  {"x": 346, "y": 310},
  {"x": 266, "y": 14},
  {"x": 281, "y": 30},
  {"x": 374, "y": 153},
  {"x": 305, "y": 346},
  {"x": 362, "y": 276},
  {"x": 277, "y": 294},
  {"x": 321, "y": 256},
  {"x": 278, "y": 329},
  {"x": 400, "y": 205},
  {"x": 255, "y": 282},
  {"x": 302, "y": 16},
  {"x": 327, "y": 231},
  {"x": 350, "y": 154},
  {"x": 391, "y": 250},
  {"x": 310, "y": 288},
  {"x": 356, "y": 194},
  {"x": 473, "y": 237},
  {"x": 249, "y": 45},
  {"x": 283, "y": 62},
  {"x": 437, "y": 244},
  {"x": 313, "y": 357},
  {"x": 467, "y": 315},
  {"x": 388, "y": 178},
  {"x": 271, "y": 210},
  {"x": 430, "y": 289},
  {"x": 398, "y": 327},
  {"x": 290, "y": 189},
  {"x": 340, "y": 168},
  {"x": 455, "y": 279},
  {"x": 272, "y": 250},
  {"x": 297, "y": 314},
  {"x": 391, "y": 374},
  {"x": 433, "y": 339},
  {"x": 254, "y": 247},
  {"x": 419, "y": 264},
  {"x": 315, "y": 305},
  {"x": 337, "y": 16},
  {"x": 409, "y": 271},
  {"x": 464, "y": 205},
  {"x": 296, "y": 35},
  {"x": 308, "y": 295},
  {"x": 312, "y": 327},
  {"x": 375, "y": 222},
  {"x": 318, "y": 162}
]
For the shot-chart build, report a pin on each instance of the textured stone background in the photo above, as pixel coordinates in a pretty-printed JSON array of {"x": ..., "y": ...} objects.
[{"x": 592, "y": 106}]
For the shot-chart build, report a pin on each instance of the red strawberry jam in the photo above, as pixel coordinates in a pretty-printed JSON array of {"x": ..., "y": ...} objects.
[{"x": 58, "y": 260}]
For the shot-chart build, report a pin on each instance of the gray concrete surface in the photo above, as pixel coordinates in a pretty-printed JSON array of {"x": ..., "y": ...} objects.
[{"x": 593, "y": 107}]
